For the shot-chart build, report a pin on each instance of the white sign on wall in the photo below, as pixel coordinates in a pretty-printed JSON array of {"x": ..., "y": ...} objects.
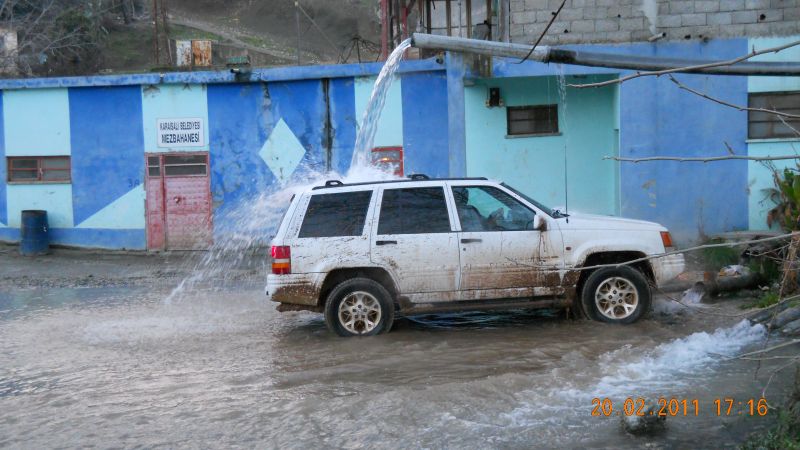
[{"x": 186, "y": 132}]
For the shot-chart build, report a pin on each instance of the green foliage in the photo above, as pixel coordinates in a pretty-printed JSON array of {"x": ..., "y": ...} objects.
[
  {"x": 768, "y": 299},
  {"x": 717, "y": 257},
  {"x": 184, "y": 33},
  {"x": 768, "y": 269},
  {"x": 786, "y": 196},
  {"x": 784, "y": 436}
]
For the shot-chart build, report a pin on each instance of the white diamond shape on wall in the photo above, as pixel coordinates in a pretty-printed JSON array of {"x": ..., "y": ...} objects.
[{"x": 282, "y": 152}]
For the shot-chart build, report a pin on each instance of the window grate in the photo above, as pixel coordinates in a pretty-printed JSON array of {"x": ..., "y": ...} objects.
[
  {"x": 532, "y": 120},
  {"x": 763, "y": 125},
  {"x": 39, "y": 169}
]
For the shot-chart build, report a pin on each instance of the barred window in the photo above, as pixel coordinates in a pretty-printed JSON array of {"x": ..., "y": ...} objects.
[
  {"x": 763, "y": 125},
  {"x": 532, "y": 120},
  {"x": 39, "y": 169}
]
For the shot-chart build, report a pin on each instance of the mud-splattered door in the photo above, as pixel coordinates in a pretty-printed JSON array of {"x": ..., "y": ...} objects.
[{"x": 178, "y": 201}]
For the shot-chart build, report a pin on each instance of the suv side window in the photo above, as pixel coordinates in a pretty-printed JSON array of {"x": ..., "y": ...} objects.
[
  {"x": 341, "y": 214},
  {"x": 485, "y": 208},
  {"x": 414, "y": 211}
]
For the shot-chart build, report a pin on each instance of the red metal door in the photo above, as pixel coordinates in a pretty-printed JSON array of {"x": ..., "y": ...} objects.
[{"x": 179, "y": 202}]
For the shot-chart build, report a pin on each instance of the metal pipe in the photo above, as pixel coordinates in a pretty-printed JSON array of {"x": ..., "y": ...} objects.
[
  {"x": 548, "y": 54},
  {"x": 491, "y": 48}
]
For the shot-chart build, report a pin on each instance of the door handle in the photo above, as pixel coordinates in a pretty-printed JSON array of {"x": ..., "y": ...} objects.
[
  {"x": 470, "y": 241},
  {"x": 385, "y": 242}
]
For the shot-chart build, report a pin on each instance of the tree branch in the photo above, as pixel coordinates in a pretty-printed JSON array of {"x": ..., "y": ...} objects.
[
  {"x": 703, "y": 159},
  {"x": 692, "y": 68},
  {"x": 722, "y": 102}
]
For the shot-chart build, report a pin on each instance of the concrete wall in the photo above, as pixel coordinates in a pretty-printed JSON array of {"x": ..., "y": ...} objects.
[
  {"x": 549, "y": 168},
  {"x": 260, "y": 136},
  {"x": 263, "y": 132},
  {"x": 586, "y": 21},
  {"x": 759, "y": 175}
]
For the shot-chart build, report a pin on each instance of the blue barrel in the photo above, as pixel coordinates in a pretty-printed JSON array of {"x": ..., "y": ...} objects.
[{"x": 35, "y": 240}]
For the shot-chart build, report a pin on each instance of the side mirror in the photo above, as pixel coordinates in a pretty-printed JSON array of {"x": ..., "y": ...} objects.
[{"x": 539, "y": 223}]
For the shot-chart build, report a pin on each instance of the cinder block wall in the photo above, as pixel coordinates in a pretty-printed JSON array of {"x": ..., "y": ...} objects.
[{"x": 586, "y": 21}]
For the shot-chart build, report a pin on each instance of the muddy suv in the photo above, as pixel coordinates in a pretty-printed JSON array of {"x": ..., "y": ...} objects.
[{"x": 365, "y": 253}]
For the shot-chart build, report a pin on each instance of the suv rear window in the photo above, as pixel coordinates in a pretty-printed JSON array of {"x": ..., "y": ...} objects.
[
  {"x": 341, "y": 214},
  {"x": 414, "y": 211}
]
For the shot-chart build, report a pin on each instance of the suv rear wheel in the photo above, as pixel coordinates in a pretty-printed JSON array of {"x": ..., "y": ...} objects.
[
  {"x": 616, "y": 295},
  {"x": 359, "y": 307}
]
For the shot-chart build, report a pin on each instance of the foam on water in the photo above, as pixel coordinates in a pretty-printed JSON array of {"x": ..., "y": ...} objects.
[
  {"x": 633, "y": 372},
  {"x": 660, "y": 367}
]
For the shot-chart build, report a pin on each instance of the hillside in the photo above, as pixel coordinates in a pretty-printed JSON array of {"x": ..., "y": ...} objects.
[{"x": 267, "y": 29}]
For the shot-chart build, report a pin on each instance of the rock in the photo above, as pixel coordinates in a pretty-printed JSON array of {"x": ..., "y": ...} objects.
[
  {"x": 648, "y": 423},
  {"x": 734, "y": 271},
  {"x": 792, "y": 328},
  {"x": 790, "y": 315},
  {"x": 764, "y": 315}
]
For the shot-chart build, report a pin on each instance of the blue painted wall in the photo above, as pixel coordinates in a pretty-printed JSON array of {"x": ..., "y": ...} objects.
[
  {"x": 547, "y": 167},
  {"x": 108, "y": 154},
  {"x": 262, "y": 135},
  {"x": 342, "y": 103},
  {"x": 657, "y": 118},
  {"x": 425, "y": 136},
  {"x": 3, "y": 173},
  {"x": 289, "y": 121},
  {"x": 759, "y": 176}
]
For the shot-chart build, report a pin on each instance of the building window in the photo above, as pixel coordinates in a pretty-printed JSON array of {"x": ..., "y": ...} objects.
[
  {"x": 532, "y": 120},
  {"x": 762, "y": 125},
  {"x": 39, "y": 169},
  {"x": 185, "y": 165}
]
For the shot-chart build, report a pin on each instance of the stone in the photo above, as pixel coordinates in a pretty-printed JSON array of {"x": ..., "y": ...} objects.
[
  {"x": 647, "y": 424},
  {"x": 792, "y": 328},
  {"x": 790, "y": 315}
]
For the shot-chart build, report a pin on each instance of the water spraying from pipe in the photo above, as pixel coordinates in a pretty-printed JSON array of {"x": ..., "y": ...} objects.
[
  {"x": 244, "y": 231},
  {"x": 369, "y": 121}
]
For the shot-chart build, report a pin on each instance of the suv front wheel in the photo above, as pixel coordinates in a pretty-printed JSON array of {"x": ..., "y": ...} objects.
[
  {"x": 616, "y": 294},
  {"x": 359, "y": 307}
]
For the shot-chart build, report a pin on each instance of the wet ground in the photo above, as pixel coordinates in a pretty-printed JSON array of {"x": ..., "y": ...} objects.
[{"x": 115, "y": 365}]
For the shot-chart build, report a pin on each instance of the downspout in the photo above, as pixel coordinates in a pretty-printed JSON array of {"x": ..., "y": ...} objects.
[{"x": 547, "y": 54}]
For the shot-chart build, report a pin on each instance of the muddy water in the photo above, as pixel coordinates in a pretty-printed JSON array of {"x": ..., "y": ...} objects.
[{"x": 118, "y": 367}]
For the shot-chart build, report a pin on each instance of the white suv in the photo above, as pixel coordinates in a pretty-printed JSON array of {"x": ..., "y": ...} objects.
[{"x": 363, "y": 253}]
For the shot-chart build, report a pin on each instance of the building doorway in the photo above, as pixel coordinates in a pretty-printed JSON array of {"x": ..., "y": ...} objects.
[{"x": 178, "y": 201}]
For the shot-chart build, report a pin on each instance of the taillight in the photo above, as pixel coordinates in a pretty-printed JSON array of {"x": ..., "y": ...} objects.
[
  {"x": 665, "y": 238},
  {"x": 281, "y": 259}
]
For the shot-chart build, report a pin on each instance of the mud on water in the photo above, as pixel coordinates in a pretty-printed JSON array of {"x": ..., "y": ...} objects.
[{"x": 117, "y": 366}]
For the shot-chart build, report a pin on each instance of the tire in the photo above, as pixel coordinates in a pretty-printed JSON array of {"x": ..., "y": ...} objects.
[
  {"x": 616, "y": 295},
  {"x": 359, "y": 307}
]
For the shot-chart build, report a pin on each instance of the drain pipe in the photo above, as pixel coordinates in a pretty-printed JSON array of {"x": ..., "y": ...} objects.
[{"x": 547, "y": 54}]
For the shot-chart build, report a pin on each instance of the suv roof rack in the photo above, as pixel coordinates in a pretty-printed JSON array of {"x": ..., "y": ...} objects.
[{"x": 411, "y": 178}]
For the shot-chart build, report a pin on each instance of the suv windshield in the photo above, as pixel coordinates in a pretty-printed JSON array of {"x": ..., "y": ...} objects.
[{"x": 550, "y": 212}]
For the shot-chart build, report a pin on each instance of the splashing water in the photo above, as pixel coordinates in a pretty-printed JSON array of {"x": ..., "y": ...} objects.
[
  {"x": 369, "y": 122},
  {"x": 244, "y": 230}
]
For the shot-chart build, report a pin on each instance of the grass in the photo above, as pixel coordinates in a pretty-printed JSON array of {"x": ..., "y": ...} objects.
[
  {"x": 183, "y": 33},
  {"x": 768, "y": 299},
  {"x": 254, "y": 41},
  {"x": 717, "y": 257},
  {"x": 785, "y": 435}
]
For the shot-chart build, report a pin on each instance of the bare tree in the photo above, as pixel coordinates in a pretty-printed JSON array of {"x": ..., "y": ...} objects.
[{"x": 60, "y": 36}]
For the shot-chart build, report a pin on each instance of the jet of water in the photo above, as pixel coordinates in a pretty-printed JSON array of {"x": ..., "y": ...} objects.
[
  {"x": 249, "y": 226},
  {"x": 369, "y": 122}
]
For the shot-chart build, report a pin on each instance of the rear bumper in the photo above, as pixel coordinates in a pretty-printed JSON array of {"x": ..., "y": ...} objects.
[
  {"x": 668, "y": 267},
  {"x": 295, "y": 288}
]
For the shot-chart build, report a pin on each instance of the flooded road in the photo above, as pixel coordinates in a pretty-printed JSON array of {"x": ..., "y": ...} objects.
[{"x": 119, "y": 367}]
